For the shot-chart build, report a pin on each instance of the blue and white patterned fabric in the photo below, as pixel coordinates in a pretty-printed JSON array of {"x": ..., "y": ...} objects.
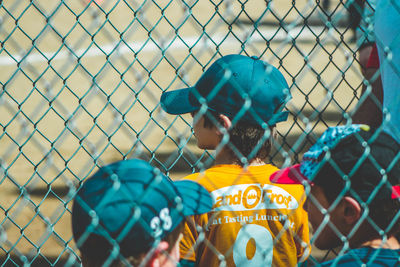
[{"x": 328, "y": 140}]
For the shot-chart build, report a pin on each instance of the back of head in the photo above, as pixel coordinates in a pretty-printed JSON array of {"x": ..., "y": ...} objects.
[
  {"x": 363, "y": 163},
  {"x": 354, "y": 161},
  {"x": 250, "y": 141},
  {"x": 249, "y": 91},
  {"x": 126, "y": 208},
  {"x": 365, "y": 166}
]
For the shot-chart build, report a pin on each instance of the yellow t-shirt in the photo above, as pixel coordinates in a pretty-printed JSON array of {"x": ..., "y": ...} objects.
[{"x": 253, "y": 221}]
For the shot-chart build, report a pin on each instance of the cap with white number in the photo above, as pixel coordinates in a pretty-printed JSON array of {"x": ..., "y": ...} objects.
[{"x": 132, "y": 204}]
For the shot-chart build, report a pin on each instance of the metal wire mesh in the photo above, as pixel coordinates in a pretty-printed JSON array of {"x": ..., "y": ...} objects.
[{"x": 81, "y": 81}]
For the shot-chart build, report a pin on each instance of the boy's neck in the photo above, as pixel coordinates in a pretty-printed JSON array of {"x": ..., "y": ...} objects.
[
  {"x": 390, "y": 243},
  {"x": 226, "y": 157}
]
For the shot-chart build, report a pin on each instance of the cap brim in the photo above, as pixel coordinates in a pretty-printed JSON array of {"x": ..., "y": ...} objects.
[
  {"x": 196, "y": 199},
  {"x": 290, "y": 175},
  {"x": 177, "y": 102},
  {"x": 278, "y": 117}
]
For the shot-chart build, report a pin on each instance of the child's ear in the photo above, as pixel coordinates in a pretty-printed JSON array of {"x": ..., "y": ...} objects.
[
  {"x": 157, "y": 258},
  {"x": 351, "y": 210},
  {"x": 225, "y": 121}
]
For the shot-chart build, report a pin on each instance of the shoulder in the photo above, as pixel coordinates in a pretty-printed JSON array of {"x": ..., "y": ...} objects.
[
  {"x": 212, "y": 172},
  {"x": 192, "y": 177},
  {"x": 347, "y": 259},
  {"x": 370, "y": 256},
  {"x": 205, "y": 178},
  {"x": 344, "y": 261}
]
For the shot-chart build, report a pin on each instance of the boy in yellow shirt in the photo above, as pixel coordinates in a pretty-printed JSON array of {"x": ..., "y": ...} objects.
[{"x": 235, "y": 106}]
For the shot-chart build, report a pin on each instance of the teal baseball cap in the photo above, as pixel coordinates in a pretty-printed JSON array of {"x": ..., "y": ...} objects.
[
  {"x": 235, "y": 85},
  {"x": 130, "y": 205}
]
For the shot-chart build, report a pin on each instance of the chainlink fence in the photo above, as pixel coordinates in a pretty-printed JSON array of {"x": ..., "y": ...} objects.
[{"x": 80, "y": 83}]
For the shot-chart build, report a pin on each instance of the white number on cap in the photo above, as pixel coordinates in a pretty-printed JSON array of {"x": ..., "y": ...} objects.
[
  {"x": 260, "y": 242},
  {"x": 165, "y": 219}
]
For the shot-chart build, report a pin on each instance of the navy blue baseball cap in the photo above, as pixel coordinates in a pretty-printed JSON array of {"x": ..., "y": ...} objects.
[
  {"x": 366, "y": 159},
  {"x": 131, "y": 205},
  {"x": 235, "y": 85}
]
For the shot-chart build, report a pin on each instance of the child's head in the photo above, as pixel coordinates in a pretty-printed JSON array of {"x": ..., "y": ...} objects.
[
  {"x": 247, "y": 91},
  {"x": 129, "y": 211},
  {"x": 96, "y": 251},
  {"x": 246, "y": 140},
  {"x": 352, "y": 172}
]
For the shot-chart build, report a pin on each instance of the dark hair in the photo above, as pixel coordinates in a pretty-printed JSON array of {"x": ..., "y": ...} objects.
[
  {"x": 363, "y": 156},
  {"x": 383, "y": 213},
  {"x": 102, "y": 249},
  {"x": 245, "y": 137},
  {"x": 381, "y": 210}
]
